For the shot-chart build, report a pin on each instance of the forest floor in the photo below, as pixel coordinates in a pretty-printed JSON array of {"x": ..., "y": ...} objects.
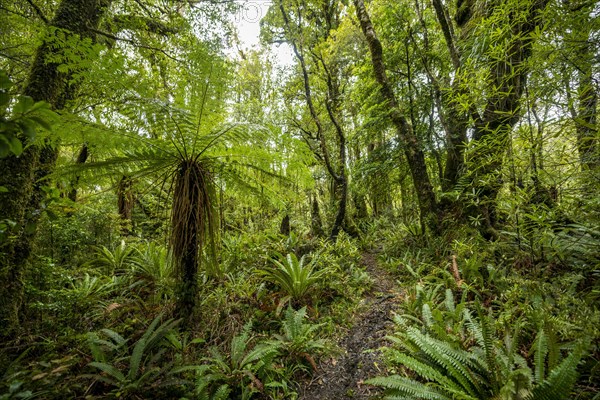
[{"x": 342, "y": 377}]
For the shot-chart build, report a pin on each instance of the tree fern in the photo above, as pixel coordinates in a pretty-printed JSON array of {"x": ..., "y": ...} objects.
[{"x": 190, "y": 152}]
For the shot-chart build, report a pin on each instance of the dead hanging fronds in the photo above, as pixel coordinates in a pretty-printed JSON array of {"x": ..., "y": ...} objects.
[
  {"x": 456, "y": 272},
  {"x": 193, "y": 224}
]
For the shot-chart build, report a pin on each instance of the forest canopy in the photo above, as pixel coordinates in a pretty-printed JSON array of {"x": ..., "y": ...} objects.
[{"x": 395, "y": 197}]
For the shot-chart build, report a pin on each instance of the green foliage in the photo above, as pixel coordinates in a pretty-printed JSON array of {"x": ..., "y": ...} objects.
[
  {"x": 475, "y": 365},
  {"x": 15, "y": 391},
  {"x": 152, "y": 269},
  {"x": 219, "y": 146},
  {"x": 540, "y": 233},
  {"x": 241, "y": 373},
  {"x": 20, "y": 119},
  {"x": 93, "y": 287},
  {"x": 297, "y": 344},
  {"x": 118, "y": 261},
  {"x": 135, "y": 369},
  {"x": 295, "y": 277}
]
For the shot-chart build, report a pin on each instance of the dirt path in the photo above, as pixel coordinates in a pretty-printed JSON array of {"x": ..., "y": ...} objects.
[{"x": 342, "y": 378}]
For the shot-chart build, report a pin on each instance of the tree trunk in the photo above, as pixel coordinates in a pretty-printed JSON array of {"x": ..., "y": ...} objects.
[
  {"x": 315, "y": 214},
  {"x": 81, "y": 159},
  {"x": 412, "y": 148},
  {"x": 501, "y": 114},
  {"x": 586, "y": 118},
  {"x": 22, "y": 175},
  {"x": 125, "y": 203},
  {"x": 455, "y": 122},
  {"x": 193, "y": 222},
  {"x": 340, "y": 217},
  {"x": 284, "y": 228},
  {"x": 340, "y": 180},
  {"x": 358, "y": 197}
]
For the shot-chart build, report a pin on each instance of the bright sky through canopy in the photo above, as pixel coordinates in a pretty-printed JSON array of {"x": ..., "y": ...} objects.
[{"x": 247, "y": 22}]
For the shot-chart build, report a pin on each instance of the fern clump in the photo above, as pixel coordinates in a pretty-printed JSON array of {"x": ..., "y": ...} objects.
[
  {"x": 297, "y": 343},
  {"x": 481, "y": 366},
  {"x": 128, "y": 370},
  {"x": 296, "y": 278},
  {"x": 240, "y": 373}
]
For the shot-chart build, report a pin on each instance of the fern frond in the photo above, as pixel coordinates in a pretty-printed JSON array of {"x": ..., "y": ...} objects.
[
  {"x": 423, "y": 370},
  {"x": 118, "y": 339},
  {"x": 449, "y": 301},
  {"x": 222, "y": 393},
  {"x": 427, "y": 315},
  {"x": 539, "y": 355},
  {"x": 560, "y": 381},
  {"x": 400, "y": 386},
  {"x": 110, "y": 370}
]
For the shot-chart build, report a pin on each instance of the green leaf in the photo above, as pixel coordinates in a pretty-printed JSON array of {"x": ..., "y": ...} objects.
[
  {"x": 15, "y": 145},
  {"x": 41, "y": 122},
  {"x": 109, "y": 369},
  {"x": 5, "y": 82},
  {"x": 560, "y": 381},
  {"x": 398, "y": 385},
  {"x": 28, "y": 128},
  {"x": 4, "y": 99},
  {"x": 23, "y": 105}
]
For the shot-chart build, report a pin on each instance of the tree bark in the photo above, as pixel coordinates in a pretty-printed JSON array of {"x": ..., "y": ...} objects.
[
  {"x": 454, "y": 121},
  {"x": 285, "y": 228},
  {"x": 125, "y": 204},
  {"x": 316, "y": 223},
  {"x": 340, "y": 180},
  {"x": 81, "y": 159},
  {"x": 23, "y": 176},
  {"x": 500, "y": 115},
  {"x": 412, "y": 148},
  {"x": 586, "y": 115}
]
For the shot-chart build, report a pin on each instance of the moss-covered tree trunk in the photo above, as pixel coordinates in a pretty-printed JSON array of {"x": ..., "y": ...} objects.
[
  {"x": 502, "y": 109},
  {"x": 23, "y": 176},
  {"x": 412, "y": 147},
  {"x": 316, "y": 223},
  {"x": 508, "y": 78},
  {"x": 588, "y": 138},
  {"x": 125, "y": 204}
]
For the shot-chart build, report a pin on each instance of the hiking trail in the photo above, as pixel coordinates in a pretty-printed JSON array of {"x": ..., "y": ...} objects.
[{"x": 342, "y": 377}]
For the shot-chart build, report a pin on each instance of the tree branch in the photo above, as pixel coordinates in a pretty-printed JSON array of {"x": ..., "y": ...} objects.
[
  {"x": 38, "y": 12},
  {"x": 308, "y": 94},
  {"x": 134, "y": 43},
  {"x": 445, "y": 24}
]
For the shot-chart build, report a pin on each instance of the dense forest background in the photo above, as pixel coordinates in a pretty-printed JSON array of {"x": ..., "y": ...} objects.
[{"x": 182, "y": 216}]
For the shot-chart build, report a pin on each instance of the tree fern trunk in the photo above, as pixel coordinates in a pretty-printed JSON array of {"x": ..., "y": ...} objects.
[
  {"x": 81, "y": 159},
  {"x": 125, "y": 203},
  {"x": 193, "y": 224}
]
